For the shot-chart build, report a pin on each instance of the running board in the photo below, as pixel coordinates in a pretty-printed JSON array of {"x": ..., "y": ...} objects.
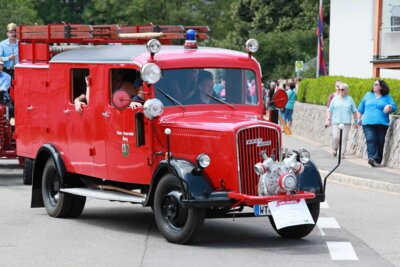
[{"x": 104, "y": 194}]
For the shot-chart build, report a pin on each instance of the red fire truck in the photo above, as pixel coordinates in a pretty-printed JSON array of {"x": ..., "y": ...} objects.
[{"x": 190, "y": 152}]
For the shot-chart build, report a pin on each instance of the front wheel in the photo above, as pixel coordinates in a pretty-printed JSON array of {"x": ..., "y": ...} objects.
[
  {"x": 57, "y": 203},
  {"x": 177, "y": 224},
  {"x": 299, "y": 231}
]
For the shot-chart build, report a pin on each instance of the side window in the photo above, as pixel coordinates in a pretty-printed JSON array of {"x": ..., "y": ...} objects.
[
  {"x": 78, "y": 83},
  {"x": 123, "y": 79}
]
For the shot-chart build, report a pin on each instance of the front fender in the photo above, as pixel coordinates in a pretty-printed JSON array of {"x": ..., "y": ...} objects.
[
  {"x": 195, "y": 184},
  {"x": 45, "y": 152},
  {"x": 310, "y": 181}
]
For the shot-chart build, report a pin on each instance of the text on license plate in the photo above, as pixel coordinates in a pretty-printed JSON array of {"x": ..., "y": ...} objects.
[{"x": 261, "y": 210}]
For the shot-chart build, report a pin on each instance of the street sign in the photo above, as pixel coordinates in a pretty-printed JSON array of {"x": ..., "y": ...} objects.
[{"x": 298, "y": 66}]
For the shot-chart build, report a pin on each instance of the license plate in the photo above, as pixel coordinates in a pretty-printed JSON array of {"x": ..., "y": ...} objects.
[{"x": 261, "y": 210}]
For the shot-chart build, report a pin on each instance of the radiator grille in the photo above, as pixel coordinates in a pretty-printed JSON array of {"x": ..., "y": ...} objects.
[{"x": 250, "y": 142}]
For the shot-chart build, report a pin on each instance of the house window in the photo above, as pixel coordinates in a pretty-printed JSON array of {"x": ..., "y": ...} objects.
[{"x": 395, "y": 18}]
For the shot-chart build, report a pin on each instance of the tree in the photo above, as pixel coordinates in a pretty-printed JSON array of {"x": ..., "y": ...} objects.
[
  {"x": 17, "y": 11},
  {"x": 285, "y": 30},
  {"x": 58, "y": 11},
  {"x": 213, "y": 13}
]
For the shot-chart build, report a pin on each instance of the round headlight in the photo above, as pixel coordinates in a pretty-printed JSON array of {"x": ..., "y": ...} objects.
[
  {"x": 153, "y": 46},
  {"x": 287, "y": 182},
  {"x": 252, "y": 45},
  {"x": 150, "y": 73},
  {"x": 304, "y": 156},
  {"x": 203, "y": 160},
  {"x": 153, "y": 108}
]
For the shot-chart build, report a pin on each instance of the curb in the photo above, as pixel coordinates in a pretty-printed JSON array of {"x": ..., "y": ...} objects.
[{"x": 362, "y": 182}]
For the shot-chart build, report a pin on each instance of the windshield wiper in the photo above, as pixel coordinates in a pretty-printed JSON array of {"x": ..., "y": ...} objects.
[
  {"x": 170, "y": 98},
  {"x": 221, "y": 101}
]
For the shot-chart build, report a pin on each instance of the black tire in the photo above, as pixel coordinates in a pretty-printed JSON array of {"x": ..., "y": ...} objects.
[
  {"x": 78, "y": 204},
  {"x": 28, "y": 171},
  {"x": 58, "y": 204},
  {"x": 299, "y": 231},
  {"x": 177, "y": 224}
]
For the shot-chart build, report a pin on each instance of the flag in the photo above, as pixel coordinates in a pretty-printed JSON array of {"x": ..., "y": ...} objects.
[{"x": 321, "y": 66}]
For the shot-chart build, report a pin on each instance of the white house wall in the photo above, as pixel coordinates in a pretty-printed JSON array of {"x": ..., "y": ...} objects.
[{"x": 351, "y": 39}]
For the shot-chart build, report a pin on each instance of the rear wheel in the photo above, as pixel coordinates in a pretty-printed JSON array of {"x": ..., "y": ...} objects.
[
  {"x": 177, "y": 224},
  {"x": 57, "y": 203},
  {"x": 299, "y": 231},
  {"x": 28, "y": 171}
]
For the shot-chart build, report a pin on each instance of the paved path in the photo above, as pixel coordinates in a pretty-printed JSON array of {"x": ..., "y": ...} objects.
[{"x": 352, "y": 170}]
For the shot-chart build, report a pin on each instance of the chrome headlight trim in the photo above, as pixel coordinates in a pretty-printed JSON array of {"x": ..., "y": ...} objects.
[
  {"x": 153, "y": 46},
  {"x": 304, "y": 156},
  {"x": 252, "y": 45},
  {"x": 153, "y": 108},
  {"x": 150, "y": 73},
  {"x": 203, "y": 160}
]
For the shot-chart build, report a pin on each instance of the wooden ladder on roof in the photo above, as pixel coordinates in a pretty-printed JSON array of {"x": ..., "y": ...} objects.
[
  {"x": 80, "y": 33},
  {"x": 38, "y": 43}
]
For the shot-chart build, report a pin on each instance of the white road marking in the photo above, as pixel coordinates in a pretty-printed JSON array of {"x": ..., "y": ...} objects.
[
  {"x": 327, "y": 222},
  {"x": 322, "y": 231},
  {"x": 324, "y": 205},
  {"x": 342, "y": 251}
]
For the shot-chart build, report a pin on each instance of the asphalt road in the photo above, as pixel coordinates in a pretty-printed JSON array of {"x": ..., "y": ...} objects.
[{"x": 118, "y": 234}]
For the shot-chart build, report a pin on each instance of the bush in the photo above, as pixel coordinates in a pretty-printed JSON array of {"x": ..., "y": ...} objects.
[{"x": 316, "y": 91}]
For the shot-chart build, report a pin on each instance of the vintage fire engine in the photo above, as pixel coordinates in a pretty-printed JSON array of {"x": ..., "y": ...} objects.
[{"x": 188, "y": 152}]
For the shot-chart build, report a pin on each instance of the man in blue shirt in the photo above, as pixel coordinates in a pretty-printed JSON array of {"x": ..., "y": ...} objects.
[{"x": 9, "y": 49}]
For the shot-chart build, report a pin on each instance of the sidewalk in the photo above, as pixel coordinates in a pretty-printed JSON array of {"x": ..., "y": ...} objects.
[{"x": 352, "y": 170}]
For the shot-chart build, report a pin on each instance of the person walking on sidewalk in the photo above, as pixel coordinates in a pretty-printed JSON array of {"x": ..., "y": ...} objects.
[
  {"x": 340, "y": 111},
  {"x": 290, "y": 104},
  {"x": 373, "y": 112},
  {"x": 331, "y": 96}
]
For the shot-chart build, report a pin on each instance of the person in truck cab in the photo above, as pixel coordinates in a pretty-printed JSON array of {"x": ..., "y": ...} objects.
[
  {"x": 205, "y": 84},
  {"x": 120, "y": 81},
  {"x": 188, "y": 84},
  {"x": 138, "y": 97},
  {"x": 83, "y": 99}
]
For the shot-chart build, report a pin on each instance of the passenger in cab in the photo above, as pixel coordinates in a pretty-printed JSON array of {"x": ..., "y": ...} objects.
[
  {"x": 83, "y": 99},
  {"x": 205, "y": 85},
  {"x": 188, "y": 84},
  {"x": 138, "y": 96},
  {"x": 121, "y": 79}
]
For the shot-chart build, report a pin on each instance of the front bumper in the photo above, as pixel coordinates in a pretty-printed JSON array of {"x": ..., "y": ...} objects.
[{"x": 233, "y": 199}]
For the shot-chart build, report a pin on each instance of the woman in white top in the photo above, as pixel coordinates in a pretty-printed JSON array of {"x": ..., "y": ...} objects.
[{"x": 341, "y": 110}]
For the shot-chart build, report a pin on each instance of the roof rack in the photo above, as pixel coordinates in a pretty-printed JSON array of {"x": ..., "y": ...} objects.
[
  {"x": 80, "y": 33},
  {"x": 35, "y": 41}
]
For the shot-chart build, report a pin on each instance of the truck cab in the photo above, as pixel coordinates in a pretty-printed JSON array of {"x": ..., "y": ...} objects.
[{"x": 197, "y": 146}]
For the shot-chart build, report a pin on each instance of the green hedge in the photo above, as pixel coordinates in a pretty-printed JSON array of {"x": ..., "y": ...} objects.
[{"x": 316, "y": 91}]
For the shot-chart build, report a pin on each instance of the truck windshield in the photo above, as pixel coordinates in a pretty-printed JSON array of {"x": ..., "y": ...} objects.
[{"x": 207, "y": 86}]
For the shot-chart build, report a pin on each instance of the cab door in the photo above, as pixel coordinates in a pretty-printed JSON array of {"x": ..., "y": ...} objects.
[
  {"x": 86, "y": 152},
  {"x": 126, "y": 161}
]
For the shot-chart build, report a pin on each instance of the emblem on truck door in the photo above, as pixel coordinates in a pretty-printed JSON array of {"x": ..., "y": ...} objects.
[
  {"x": 125, "y": 150},
  {"x": 259, "y": 142}
]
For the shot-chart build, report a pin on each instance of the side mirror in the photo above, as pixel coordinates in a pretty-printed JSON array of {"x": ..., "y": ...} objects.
[
  {"x": 280, "y": 99},
  {"x": 121, "y": 99}
]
